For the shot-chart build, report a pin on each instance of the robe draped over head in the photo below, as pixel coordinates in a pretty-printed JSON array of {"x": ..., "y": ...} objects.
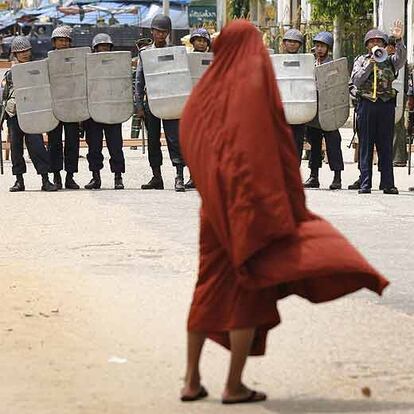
[{"x": 258, "y": 241}]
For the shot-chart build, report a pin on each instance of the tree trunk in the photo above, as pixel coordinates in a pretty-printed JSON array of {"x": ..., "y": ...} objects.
[{"x": 338, "y": 37}]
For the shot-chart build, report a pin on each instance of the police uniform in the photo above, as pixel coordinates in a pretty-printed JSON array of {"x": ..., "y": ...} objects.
[
  {"x": 297, "y": 129},
  {"x": 153, "y": 125},
  {"x": 34, "y": 142},
  {"x": 410, "y": 95},
  {"x": 332, "y": 138},
  {"x": 67, "y": 156},
  {"x": 203, "y": 34},
  {"x": 113, "y": 137},
  {"x": 376, "y": 111}
]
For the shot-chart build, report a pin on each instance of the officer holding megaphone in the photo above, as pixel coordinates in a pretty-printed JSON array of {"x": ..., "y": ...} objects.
[{"x": 373, "y": 75}]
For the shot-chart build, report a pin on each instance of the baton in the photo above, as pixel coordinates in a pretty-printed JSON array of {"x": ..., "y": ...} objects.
[
  {"x": 410, "y": 144},
  {"x": 355, "y": 128},
  {"x": 143, "y": 135},
  {"x": 1, "y": 154}
]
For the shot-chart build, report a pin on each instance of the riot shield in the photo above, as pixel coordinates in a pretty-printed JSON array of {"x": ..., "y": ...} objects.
[
  {"x": 67, "y": 73},
  {"x": 109, "y": 86},
  {"x": 333, "y": 95},
  {"x": 296, "y": 81},
  {"x": 167, "y": 79},
  {"x": 33, "y": 97},
  {"x": 198, "y": 63}
]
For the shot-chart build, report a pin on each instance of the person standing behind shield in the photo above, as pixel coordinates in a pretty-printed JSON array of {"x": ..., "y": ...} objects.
[
  {"x": 292, "y": 42},
  {"x": 323, "y": 43},
  {"x": 102, "y": 42},
  {"x": 201, "y": 41},
  {"x": 160, "y": 30},
  {"x": 22, "y": 53},
  {"x": 62, "y": 39}
]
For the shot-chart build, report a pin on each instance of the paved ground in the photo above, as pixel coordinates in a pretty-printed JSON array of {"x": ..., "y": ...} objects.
[{"x": 95, "y": 287}]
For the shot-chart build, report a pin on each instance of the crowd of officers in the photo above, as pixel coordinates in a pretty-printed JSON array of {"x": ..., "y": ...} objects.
[{"x": 371, "y": 86}]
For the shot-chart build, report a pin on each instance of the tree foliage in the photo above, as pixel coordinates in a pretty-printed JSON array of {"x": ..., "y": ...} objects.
[
  {"x": 345, "y": 9},
  {"x": 239, "y": 8}
]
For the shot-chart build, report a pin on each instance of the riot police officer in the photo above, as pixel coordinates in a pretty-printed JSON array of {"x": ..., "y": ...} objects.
[
  {"x": 21, "y": 50},
  {"x": 323, "y": 43},
  {"x": 376, "y": 107},
  {"x": 160, "y": 30},
  {"x": 102, "y": 42},
  {"x": 292, "y": 42},
  {"x": 62, "y": 39},
  {"x": 201, "y": 40}
]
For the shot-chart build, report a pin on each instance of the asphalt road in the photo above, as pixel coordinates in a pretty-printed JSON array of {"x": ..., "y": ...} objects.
[{"x": 95, "y": 288}]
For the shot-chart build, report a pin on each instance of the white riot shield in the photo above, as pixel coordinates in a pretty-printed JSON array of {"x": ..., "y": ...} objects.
[
  {"x": 199, "y": 63},
  {"x": 296, "y": 81},
  {"x": 167, "y": 79},
  {"x": 67, "y": 72},
  {"x": 33, "y": 97},
  {"x": 332, "y": 80},
  {"x": 109, "y": 86}
]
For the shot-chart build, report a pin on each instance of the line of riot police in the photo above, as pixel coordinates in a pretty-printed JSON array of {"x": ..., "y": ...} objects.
[
  {"x": 325, "y": 91},
  {"x": 74, "y": 86},
  {"x": 96, "y": 89}
]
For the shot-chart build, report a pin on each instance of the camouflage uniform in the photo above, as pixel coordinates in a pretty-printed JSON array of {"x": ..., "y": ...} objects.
[{"x": 376, "y": 115}]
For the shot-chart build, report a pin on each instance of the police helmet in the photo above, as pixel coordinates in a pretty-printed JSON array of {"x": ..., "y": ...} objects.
[
  {"x": 62, "y": 31},
  {"x": 293, "y": 34},
  {"x": 102, "y": 39},
  {"x": 161, "y": 22},
  {"x": 203, "y": 33},
  {"x": 324, "y": 37},
  {"x": 20, "y": 44},
  {"x": 375, "y": 34}
]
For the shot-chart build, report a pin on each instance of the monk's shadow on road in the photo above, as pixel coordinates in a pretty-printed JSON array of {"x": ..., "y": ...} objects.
[{"x": 334, "y": 406}]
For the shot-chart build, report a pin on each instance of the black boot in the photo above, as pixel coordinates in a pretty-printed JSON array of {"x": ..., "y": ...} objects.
[
  {"x": 57, "y": 180},
  {"x": 391, "y": 190},
  {"x": 70, "y": 182},
  {"x": 156, "y": 182},
  {"x": 18, "y": 185},
  {"x": 179, "y": 179},
  {"x": 356, "y": 185},
  {"x": 119, "y": 185},
  {"x": 95, "y": 183},
  {"x": 336, "y": 183},
  {"x": 313, "y": 180},
  {"x": 189, "y": 185},
  {"x": 47, "y": 185}
]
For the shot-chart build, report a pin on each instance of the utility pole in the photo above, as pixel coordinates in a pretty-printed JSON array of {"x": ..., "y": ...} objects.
[
  {"x": 166, "y": 7},
  {"x": 375, "y": 14},
  {"x": 221, "y": 14}
]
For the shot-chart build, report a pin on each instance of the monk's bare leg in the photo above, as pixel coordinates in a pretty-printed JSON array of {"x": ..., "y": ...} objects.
[
  {"x": 240, "y": 343},
  {"x": 192, "y": 384}
]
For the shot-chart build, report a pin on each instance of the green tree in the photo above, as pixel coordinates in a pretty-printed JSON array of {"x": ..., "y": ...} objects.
[
  {"x": 341, "y": 12},
  {"x": 346, "y": 9}
]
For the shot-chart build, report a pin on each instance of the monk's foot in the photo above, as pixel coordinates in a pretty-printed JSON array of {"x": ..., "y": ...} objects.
[
  {"x": 191, "y": 392},
  {"x": 242, "y": 395}
]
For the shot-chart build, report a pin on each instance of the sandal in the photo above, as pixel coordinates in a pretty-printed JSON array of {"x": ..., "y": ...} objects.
[
  {"x": 253, "y": 397},
  {"x": 199, "y": 396}
]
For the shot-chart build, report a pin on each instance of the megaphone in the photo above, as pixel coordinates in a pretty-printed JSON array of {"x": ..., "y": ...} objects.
[{"x": 379, "y": 54}]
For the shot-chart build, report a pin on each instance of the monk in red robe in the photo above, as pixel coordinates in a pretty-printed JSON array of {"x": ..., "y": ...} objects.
[{"x": 258, "y": 241}]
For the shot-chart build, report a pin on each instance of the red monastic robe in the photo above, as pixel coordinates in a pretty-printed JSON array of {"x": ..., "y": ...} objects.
[{"x": 258, "y": 241}]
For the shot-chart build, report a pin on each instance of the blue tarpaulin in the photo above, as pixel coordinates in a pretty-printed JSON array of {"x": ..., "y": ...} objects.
[{"x": 136, "y": 13}]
